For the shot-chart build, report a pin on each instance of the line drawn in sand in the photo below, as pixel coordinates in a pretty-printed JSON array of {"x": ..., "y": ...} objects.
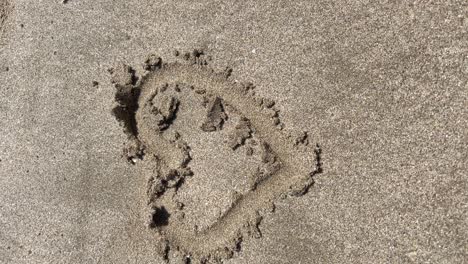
[
  {"x": 173, "y": 102},
  {"x": 5, "y": 10}
]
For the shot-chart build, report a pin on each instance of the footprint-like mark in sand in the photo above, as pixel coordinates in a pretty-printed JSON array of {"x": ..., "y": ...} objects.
[{"x": 173, "y": 107}]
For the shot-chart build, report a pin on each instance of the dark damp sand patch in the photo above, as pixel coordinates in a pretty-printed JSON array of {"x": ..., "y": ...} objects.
[{"x": 148, "y": 106}]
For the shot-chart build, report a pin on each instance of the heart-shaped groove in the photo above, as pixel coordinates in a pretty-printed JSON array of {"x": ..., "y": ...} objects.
[{"x": 148, "y": 106}]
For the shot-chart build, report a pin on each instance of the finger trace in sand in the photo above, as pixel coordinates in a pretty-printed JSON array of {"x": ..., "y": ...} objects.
[
  {"x": 148, "y": 107},
  {"x": 5, "y": 10}
]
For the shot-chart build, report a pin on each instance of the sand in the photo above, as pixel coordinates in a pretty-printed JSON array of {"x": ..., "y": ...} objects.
[
  {"x": 256, "y": 132},
  {"x": 173, "y": 110}
]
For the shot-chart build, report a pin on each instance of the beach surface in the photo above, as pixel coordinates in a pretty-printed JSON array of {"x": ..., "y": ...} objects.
[{"x": 146, "y": 131}]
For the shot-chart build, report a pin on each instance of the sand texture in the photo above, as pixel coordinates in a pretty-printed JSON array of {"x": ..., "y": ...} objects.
[
  {"x": 5, "y": 9},
  {"x": 163, "y": 113},
  {"x": 233, "y": 132}
]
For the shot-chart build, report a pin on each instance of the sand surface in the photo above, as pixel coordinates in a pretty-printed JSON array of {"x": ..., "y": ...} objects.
[{"x": 235, "y": 132}]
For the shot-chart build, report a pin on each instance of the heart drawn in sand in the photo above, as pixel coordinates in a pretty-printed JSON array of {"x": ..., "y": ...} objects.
[{"x": 173, "y": 107}]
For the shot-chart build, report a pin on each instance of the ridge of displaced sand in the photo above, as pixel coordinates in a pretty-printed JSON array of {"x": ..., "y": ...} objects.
[{"x": 146, "y": 112}]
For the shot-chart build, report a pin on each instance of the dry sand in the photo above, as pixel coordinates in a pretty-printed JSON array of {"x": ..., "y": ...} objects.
[{"x": 291, "y": 132}]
